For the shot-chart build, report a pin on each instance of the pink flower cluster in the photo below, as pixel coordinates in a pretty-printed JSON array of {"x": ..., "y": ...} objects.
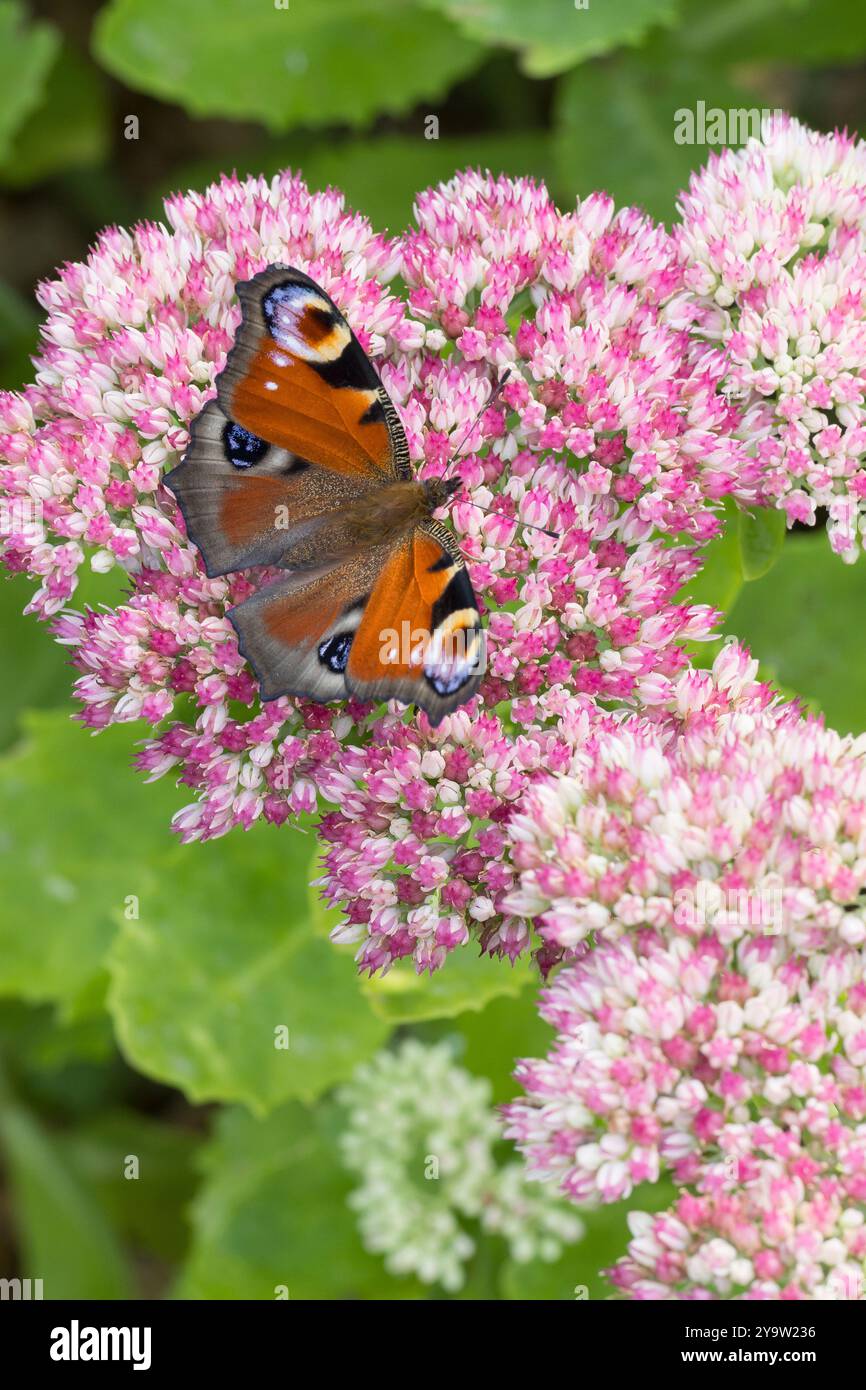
[
  {"x": 430, "y": 837},
  {"x": 778, "y": 1216},
  {"x": 719, "y": 872},
  {"x": 774, "y": 240},
  {"x": 608, "y": 432},
  {"x": 750, "y": 821},
  {"x": 661, "y": 1043}
]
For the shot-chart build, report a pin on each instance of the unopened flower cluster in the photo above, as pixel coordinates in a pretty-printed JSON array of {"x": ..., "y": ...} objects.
[
  {"x": 420, "y": 1135},
  {"x": 774, "y": 239},
  {"x": 779, "y": 1215},
  {"x": 719, "y": 875}
]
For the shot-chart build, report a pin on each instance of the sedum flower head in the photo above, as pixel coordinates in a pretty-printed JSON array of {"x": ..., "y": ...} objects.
[
  {"x": 773, "y": 237},
  {"x": 429, "y": 842},
  {"x": 709, "y": 881},
  {"x": 608, "y": 432},
  {"x": 420, "y": 1135},
  {"x": 779, "y": 1215},
  {"x": 662, "y": 1042},
  {"x": 751, "y": 820}
]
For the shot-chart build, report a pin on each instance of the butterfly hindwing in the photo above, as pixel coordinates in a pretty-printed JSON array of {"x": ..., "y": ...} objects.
[
  {"x": 398, "y": 622},
  {"x": 420, "y": 639},
  {"x": 298, "y": 377},
  {"x": 247, "y": 502},
  {"x": 297, "y": 633}
]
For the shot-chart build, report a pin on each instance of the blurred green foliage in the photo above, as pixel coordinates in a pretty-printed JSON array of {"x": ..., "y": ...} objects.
[{"x": 141, "y": 983}]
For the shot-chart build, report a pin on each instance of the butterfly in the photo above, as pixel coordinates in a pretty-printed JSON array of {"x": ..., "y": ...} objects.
[{"x": 301, "y": 463}]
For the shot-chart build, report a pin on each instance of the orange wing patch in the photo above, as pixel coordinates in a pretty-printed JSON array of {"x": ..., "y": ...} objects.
[
  {"x": 420, "y": 638},
  {"x": 290, "y": 404},
  {"x": 298, "y": 377},
  {"x": 246, "y": 505},
  {"x": 294, "y": 625},
  {"x": 395, "y": 610}
]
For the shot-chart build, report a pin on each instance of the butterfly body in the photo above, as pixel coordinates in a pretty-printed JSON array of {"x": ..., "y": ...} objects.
[
  {"x": 386, "y": 514},
  {"x": 301, "y": 463}
]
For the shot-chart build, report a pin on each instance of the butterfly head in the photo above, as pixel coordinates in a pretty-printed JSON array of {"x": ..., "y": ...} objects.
[{"x": 439, "y": 491}]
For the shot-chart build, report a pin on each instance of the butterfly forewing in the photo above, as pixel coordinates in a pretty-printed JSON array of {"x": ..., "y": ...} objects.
[{"x": 298, "y": 375}]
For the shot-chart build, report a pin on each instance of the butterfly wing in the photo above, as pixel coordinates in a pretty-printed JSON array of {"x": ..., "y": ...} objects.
[
  {"x": 420, "y": 638},
  {"x": 398, "y": 622},
  {"x": 247, "y": 502},
  {"x": 298, "y": 377},
  {"x": 297, "y": 632},
  {"x": 300, "y": 429}
]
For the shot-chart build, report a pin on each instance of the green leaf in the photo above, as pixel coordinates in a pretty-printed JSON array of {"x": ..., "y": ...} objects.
[
  {"x": 148, "y": 1210},
  {"x": 225, "y": 953},
  {"x": 553, "y": 35},
  {"x": 19, "y": 335},
  {"x": 42, "y": 674},
  {"x": 492, "y": 1040},
  {"x": 641, "y": 95},
  {"x": 578, "y": 1273},
  {"x": 498, "y": 1037},
  {"x": 67, "y": 130},
  {"x": 306, "y": 64},
  {"x": 26, "y": 54},
  {"x": 720, "y": 577},
  {"x": 382, "y": 178},
  {"x": 803, "y": 621},
  {"x": 63, "y": 1236},
  {"x": 806, "y": 33},
  {"x": 272, "y": 1212},
  {"x": 67, "y": 1069},
  {"x": 68, "y": 858},
  {"x": 39, "y": 1045},
  {"x": 467, "y": 980},
  {"x": 762, "y": 535}
]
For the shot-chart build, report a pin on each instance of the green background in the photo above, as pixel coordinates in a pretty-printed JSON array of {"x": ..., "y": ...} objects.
[{"x": 141, "y": 982}]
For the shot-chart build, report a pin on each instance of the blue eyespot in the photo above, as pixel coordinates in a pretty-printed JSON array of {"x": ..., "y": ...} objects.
[
  {"x": 446, "y": 685},
  {"x": 334, "y": 653},
  {"x": 243, "y": 449}
]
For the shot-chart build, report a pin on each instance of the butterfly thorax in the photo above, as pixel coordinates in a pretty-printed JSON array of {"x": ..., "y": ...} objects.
[{"x": 395, "y": 509}]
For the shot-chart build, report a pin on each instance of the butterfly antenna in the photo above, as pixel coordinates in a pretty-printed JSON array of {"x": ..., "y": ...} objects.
[
  {"x": 474, "y": 421},
  {"x": 488, "y": 511}
]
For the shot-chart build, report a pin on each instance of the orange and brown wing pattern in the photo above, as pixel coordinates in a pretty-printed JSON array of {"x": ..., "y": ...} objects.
[
  {"x": 296, "y": 463},
  {"x": 297, "y": 632},
  {"x": 298, "y": 377},
  {"x": 247, "y": 502},
  {"x": 396, "y": 622},
  {"x": 420, "y": 639}
]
